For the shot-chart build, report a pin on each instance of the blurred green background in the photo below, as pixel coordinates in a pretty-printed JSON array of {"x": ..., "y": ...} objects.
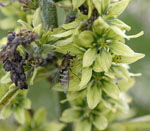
[{"x": 137, "y": 16}]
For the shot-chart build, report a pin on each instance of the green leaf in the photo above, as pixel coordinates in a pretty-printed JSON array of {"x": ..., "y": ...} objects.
[
  {"x": 40, "y": 117},
  {"x": 141, "y": 123},
  {"x": 21, "y": 129},
  {"x": 93, "y": 96},
  {"x": 111, "y": 89},
  {"x": 20, "y": 115},
  {"x": 6, "y": 99},
  {"x": 70, "y": 115},
  {"x": 28, "y": 119},
  {"x": 25, "y": 25},
  {"x": 26, "y": 103},
  {"x": 117, "y": 8},
  {"x": 97, "y": 64},
  {"x": 83, "y": 125},
  {"x": 6, "y": 112},
  {"x": 77, "y": 3},
  {"x": 64, "y": 34},
  {"x": 86, "y": 38},
  {"x": 36, "y": 17},
  {"x": 119, "y": 48},
  {"x": 100, "y": 122},
  {"x": 86, "y": 76},
  {"x": 38, "y": 29},
  {"x": 54, "y": 126},
  {"x": 89, "y": 57},
  {"x": 105, "y": 60}
]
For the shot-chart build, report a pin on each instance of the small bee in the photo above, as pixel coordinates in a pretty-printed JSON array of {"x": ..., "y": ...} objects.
[{"x": 64, "y": 71}]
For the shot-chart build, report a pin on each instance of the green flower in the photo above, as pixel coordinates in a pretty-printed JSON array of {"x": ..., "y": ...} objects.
[
  {"x": 17, "y": 106},
  {"x": 38, "y": 122}
]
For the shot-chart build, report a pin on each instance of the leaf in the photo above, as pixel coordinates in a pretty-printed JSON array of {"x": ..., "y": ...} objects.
[
  {"x": 26, "y": 103},
  {"x": 100, "y": 122},
  {"x": 6, "y": 99},
  {"x": 70, "y": 115},
  {"x": 28, "y": 119},
  {"x": 6, "y": 112},
  {"x": 38, "y": 29},
  {"x": 20, "y": 115},
  {"x": 117, "y": 8},
  {"x": 24, "y": 24},
  {"x": 141, "y": 123},
  {"x": 36, "y": 17},
  {"x": 83, "y": 125},
  {"x": 89, "y": 57},
  {"x": 77, "y": 3},
  {"x": 111, "y": 89},
  {"x": 119, "y": 48},
  {"x": 93, "y": 96},
  {"x": 40, "y": 117},
  {"x": 105, "y": 60},
  {"x": 64, "y": 34},
  {"x": 54, "y": 126},
  {"x": 86, "y": 76}
]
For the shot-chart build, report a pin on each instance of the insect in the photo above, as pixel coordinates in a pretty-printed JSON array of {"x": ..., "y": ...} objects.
[{"x": 64, "y": 71}]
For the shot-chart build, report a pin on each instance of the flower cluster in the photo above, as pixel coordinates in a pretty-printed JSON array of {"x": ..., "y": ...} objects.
[
  {"x": 12, "y": 58},
  {"x": 97, "y": 38}
]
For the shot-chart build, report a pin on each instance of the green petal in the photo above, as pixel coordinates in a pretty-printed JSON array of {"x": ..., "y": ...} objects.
[
  {"x": 100, "y": 26},
  {"x": 128, "y": 59},
  {"x": 89, "y": 57},
  {"x": 40, "y": 117},
  {"x": 117, "y": 8},
  {"x": 93, "y": 96},
  {"x": 83, "y": 125},
  {"x": 111, "y": 89},
  {"x": 86, "y": 38},
  {"x": 97, "y": 64},
  {"x": 100, "y": 122},
  {"x": 70, "y": 115},
  {"x": 106, "y": 60},
  {"x": 119, "y": 48},
  {"x": 86, "y": 76},
  {"x": 20, "y": 115}
]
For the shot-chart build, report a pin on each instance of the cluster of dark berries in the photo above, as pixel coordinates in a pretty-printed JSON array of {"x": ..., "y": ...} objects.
[{"x": 11, "y": 58}]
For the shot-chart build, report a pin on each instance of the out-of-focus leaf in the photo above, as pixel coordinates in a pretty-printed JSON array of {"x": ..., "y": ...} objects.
[{"x": 70, "y": 115}]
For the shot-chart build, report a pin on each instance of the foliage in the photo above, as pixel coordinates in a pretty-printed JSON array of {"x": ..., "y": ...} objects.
[{"x": 98, "y": 73}]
